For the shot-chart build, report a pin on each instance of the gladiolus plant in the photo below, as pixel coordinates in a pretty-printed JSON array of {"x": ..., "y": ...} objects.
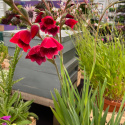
[{"x": 50, "y": 46}]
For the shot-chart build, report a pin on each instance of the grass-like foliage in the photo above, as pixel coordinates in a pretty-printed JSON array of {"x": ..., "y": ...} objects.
[
  {"x": 71, "y": 108},
  {"x": 110, "y": 62},
  {"x": 13, "y": 104}
]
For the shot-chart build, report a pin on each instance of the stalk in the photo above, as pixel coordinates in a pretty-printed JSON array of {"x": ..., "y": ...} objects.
[
  {"x": 12, "y": 69},
  {"x": 15, "y": 7},
  {"x": 57, "y": 71}
]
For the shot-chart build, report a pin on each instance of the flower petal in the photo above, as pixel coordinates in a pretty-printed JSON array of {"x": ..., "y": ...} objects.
[
  {"x": 15, "y": 38},
  {"x": 24, "y": 46},
  {"x": 53, "y": 30},
  {"x": 48, "y": 22},
  {"x": 43, "y": 28},
  {"x": 70, "y": 22},
  {"x": 6, "y": 118},
  {"x": 48, "y": 42},
  {"x": 40, "y": 60},
  {"x": 34, "y": 50},
  {"x": 59, "y": 46},
  {"x": 50, "y": 47},
  {"x": 51, "y": 52},
  {"x": 39, "y": 17},
  {"x": 34, "y": 30},
  {"x": 25, "y": 36},
  {"x": 34, "y": 55},
  {"x": 69, "y": 16},
  {"x": 4, "y": 123}
]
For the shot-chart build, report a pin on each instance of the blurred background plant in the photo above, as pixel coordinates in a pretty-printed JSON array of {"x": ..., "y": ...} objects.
[
  {"x": 110, "y": 61},
  {"x": 104, "y": 47}
]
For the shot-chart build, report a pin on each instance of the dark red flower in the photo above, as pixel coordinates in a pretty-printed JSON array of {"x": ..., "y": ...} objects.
[
  {"x": 69, "y": 16},
  {"x": 53, "y": 30},
  {"x": 39, "y": 17},
  {"x": 22, "y": 39},
  {"x": 34, "y": 30},
  {"x": 50, "y": 47},
  {"x": 70, "y": 22},
  {"x": 43, "y": 28},
  {"x": 48, "y": 22},
  {"x": 34, "y": 55}
]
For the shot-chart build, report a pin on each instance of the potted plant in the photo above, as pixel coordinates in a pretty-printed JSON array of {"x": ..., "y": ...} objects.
[
  {"x": 107, "y": 62},
  {"x": 13, "y": 109}
]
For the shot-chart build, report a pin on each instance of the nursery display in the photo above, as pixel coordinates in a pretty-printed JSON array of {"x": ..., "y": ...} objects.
[
  {"x": 40, "y": 53},
  {"x": 46, "y": 57},
  {"x": 107, "y": 62}
]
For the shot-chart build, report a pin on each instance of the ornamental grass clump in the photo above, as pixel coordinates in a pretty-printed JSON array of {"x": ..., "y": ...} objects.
[
  {"x": 103, "y": 60},
  {"x": 110, "y": 62}
]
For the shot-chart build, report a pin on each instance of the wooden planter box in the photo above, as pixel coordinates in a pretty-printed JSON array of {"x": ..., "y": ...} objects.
[{"x": 40, "y": 80}]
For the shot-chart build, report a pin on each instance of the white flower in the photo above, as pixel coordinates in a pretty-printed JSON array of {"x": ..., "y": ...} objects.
[
  {"x": 62, "y": 5},
  {"x": 58, "y": 19},
  {"x": 55, "y": 9}
]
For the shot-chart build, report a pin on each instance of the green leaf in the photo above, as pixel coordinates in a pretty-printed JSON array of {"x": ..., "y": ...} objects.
[
  {"x": 17, "y": 80},
  {"x": 24, "y": 122},
  {"x": 103, "y": 119},
  {"x": 57, "y": 117},
  {"x": 57, "y": 108},
  {"x": 33, "y": 115},
  {"x": 26, "y": 104},
  {"x": 13, "y": 99}
]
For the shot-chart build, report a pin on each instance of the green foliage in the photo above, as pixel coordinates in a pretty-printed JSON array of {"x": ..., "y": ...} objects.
[
  {"x": 3, "y": 52},
  {"x": 13, "y": 104},
  {"x": 72, "y": 108},
  {"x": 111, "y": 9},
  {"x": 110, "y": 61}
]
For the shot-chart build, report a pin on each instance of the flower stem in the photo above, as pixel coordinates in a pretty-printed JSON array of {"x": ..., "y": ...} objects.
[
  {"x": 57, "y": 71},
  {"x": 46, "y": 5},
  {"x": 15, "y": 7}
]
